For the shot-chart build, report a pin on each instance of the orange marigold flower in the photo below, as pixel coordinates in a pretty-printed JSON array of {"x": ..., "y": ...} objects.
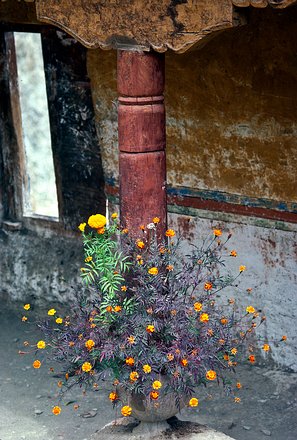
[
  {"x": 142, "y": 227},
  {"x": 150, "y": 328},
  {"x": 226, "y": 357},
  {"x": 86, "y": 367},
  {"x": 211, "y": 375},
  {"x": 51, "y": 312},
  {"x": 82, "y": 226},
  {"x": 131, "y": 339},
  {"x": 60, "y": 384},
  {"x": 208, "y": 286},
  {"x": 41, "y": 345},
  {"x": 56, "y": 410},
  {"x": 147, "y": 368},
  {"x": 198, "y": 306},
  {"x": 193, "y": 402},
  {"x": 27, "y": 306},
  {"x": 184, "y": 362},
  {"x": 109, "y": 309},
  {"x": 97, "y": 221},
  {"x": 124, "y": 288},
  {"x": 242, "y": 268},
  {"x": 126, "y": 411},
  {"x": 170, "y": 233},
  {"x": 252, "y": 359},
  {"x": 170, "y": 356},
  {"x": 233, "y": 253},
  {"x": 234, "y": 351},
  {"x": 222, "y": 341},
  {"x": 134, "y": 376},
  {"x": 266, "y": 347},
  {"x": 238, "y": 385},
  {"x": 114, "y": 215},
  {"x": 154, "y": 395},
  {"x": 224, "y": 321},
  {"x": 157, "y": 385},
  {"x": 217, "y": 232},
  {"x": 140, "y": 244},
  {"x": 284, "y": 338},
  {"x": 113, "y": 396},
  {"x": 89, "y": 344},
  {"x": 156, "y": 220},
  {"x": 204, "y": 317},
  {"x": 24, "y": 318},
  {"x": 117, "y": 309},
  {"x": 100, "y": 231},
  {"x": 210, "y": 332},
  {"x": 237, "y": 399},
  {"x": 173, "y": 312},
  {"x": 162, "y": 250},
  {"x": 250, "y": 309},
  {"x": 125, "y": 231},
  {"x": 130, "y": 361},
  {"x": 36, "y": 364},
  {"x": 153, "y": 271},
  {"x": 67, "y": 376},
  {"x": 169, "y": 267}
]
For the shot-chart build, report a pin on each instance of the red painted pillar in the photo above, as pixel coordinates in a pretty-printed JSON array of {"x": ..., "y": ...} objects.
[{"x": 142, "y": 139}]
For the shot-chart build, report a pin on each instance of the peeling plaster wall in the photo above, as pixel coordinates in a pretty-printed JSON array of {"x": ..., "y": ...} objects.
[{"x": 231, "y": 110}]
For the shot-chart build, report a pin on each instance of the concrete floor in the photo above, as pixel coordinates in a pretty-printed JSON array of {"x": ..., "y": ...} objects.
[{"x": 268, "y": 407}]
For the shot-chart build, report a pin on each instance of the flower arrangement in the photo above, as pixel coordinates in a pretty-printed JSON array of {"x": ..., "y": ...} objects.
[{"x": 150, "y": 313}]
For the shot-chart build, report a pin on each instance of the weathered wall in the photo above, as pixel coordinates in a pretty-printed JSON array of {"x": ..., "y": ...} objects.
[{"x": 231, "y": 110}]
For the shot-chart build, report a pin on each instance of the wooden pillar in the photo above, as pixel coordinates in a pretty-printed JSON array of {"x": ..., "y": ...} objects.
[{"x": 142, "y": 139}]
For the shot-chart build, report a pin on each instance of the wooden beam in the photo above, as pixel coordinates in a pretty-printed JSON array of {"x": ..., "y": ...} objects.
[{"x": 142, "y": 139}]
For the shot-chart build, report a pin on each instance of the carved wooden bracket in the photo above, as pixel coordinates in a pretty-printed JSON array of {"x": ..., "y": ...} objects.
[{"x": 145, "y": 24}]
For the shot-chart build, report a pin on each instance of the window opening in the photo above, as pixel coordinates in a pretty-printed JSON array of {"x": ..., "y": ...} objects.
[{"x": 40, "y": 197}]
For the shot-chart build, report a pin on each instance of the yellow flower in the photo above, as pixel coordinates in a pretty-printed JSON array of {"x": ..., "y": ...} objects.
[
  {"x": 234, "y": 351},
  {"x": 153, "y": 271},
  {"x": 113, "y": 396},
  {"x": 124, "y": 288},
  {"x": 157, "y": 385},
  {"x": 134, "y": 376},
  {"x": 97, "y": 221},
  {"x": 117, "y": 309},
  {"x": 140, "y": 244},
  {"x": 266, "y": 347},
  {"x": 170, "y": 356},
  {"x": 217, "y": 232},
  {"x": 170, "y": 233},
  {"x": 86, "y": 366},
  {"x": 82, "y": 226},
  {"x": 89, "y": 258},
  {"x": 24, "y": 318},
  {"x": 36, "y": 364},
  {"x": 114, "y": 215},
  {"x": 89, "y": 344},
  {"x": 156, "y": 220},
  {"x": 233, "y": 253},
  {"x": 154, "y": 395},
  {"x": 250, "y": 309},
  {"x": 126, "y": 411},
  {"x": 150, "y": 328},
  {"x": 204, "y": 317},
  {"x": 56, "y": 410},
  {"x": 51, "y": 312},
  {"x": 131, "y": 339},
  {"x": 211, "y": 375},
  {"x": 59, "y": 320},
  {"x": 198, "y": 306},
  {"x": 41, "y": 344},
  {"x": 193, "y": 402},
  {"x": 125, "y": 231},
  {"x": 242, "y": 268},
  {"x": 27, "y": 306},
  {"x": 130, "y": 361},
  {"x": 147, "y": 368}
]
